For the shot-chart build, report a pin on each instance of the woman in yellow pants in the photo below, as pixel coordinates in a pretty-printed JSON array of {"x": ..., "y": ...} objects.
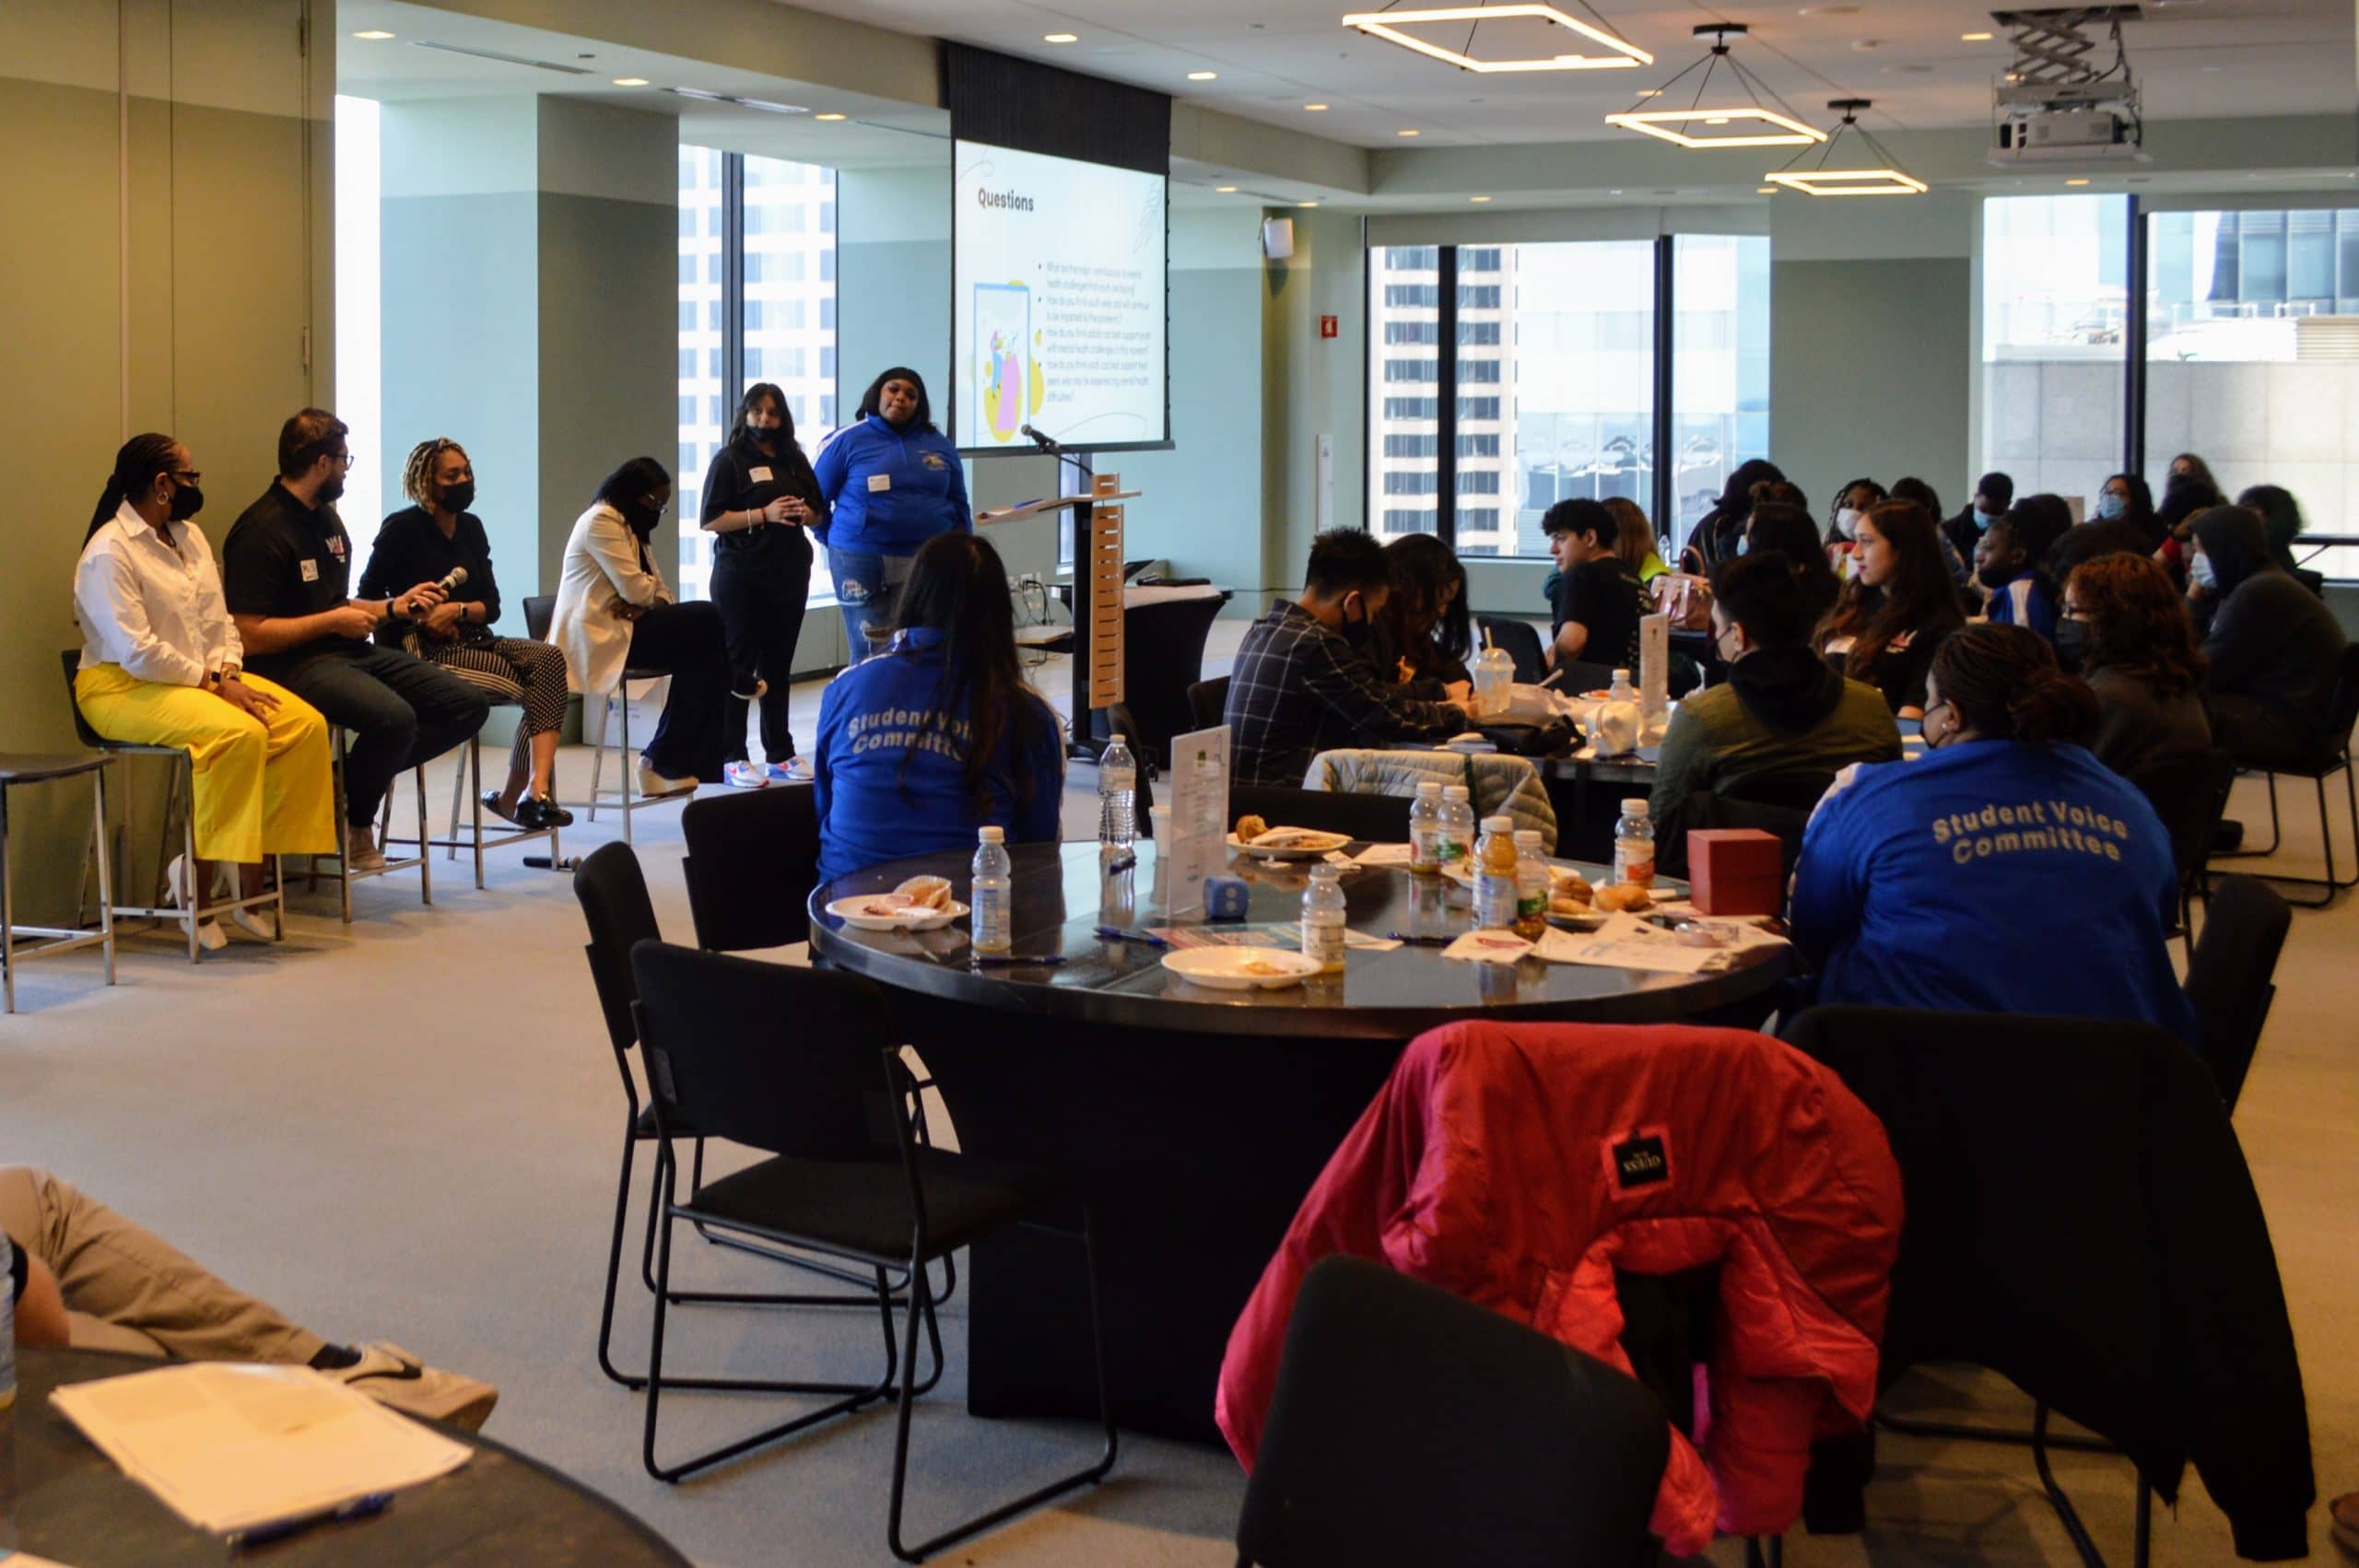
[{"x": 161, "y": 666}]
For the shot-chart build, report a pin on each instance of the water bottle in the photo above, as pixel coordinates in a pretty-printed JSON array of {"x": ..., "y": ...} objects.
[
  {"x": 1118, "y": 796},
  {"x": 1617, "y": 721},
  {"x": 8, "y": 1325},
  {"x": 1532, "y": 885},
  {"x": 1495, "y": 875},
  {"x": 993, "y": 919},
  {"x": 1425, "y": 830},
  {"x": 1457, "y": 841},
  {"x": 1494, "y": 681},
  {"x": 1322, "y": 918},
  {"x": 1634, "y": 844}
]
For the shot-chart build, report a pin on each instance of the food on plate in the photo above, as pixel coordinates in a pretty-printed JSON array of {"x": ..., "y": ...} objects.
[
  {"x": 1597, "y": 696},
  {"x": 1295, "y": 839},
  {"x": 1627, "y": 895},
  {"x": 1262, "y": 968},
  {"x": 1570, "y": 884},
  {"x": 1250, "y": 827},
  {"x": 925, "y": 891},
  {"x": 888, "y": 903}
]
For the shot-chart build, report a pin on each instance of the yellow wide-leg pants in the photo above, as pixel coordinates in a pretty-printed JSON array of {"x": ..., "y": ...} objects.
[{"x": 263, "y": 786}]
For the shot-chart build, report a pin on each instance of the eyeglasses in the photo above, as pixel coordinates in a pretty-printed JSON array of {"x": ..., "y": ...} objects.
[
  {"x": 345, "y": 459},
  {"x": 186, "y": 476}
]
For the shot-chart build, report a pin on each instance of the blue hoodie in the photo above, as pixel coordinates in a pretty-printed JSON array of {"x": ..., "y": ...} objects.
[
  {"x": 1992, "y": 876},
  {"x": 869, "y": 810},
  {"x": 891, "y": 490}
]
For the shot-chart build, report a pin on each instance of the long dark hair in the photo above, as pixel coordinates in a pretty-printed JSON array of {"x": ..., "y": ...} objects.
[
  {"x": 1918, "y": 597},
  {"x": 738, "y": 430},
  {"x": 628, "y": 485},
  {"x": 922, "y": 419},
  {"x": 1422, "y": 568},
  {"x": 136, "y": 464},
  {"x": 2140, "y": 511},
  {"x": 2006, "y": 686},
  {"x": 1788, "y": 530},
  {"x": 2137, "y": 622},
  {"x": 957, "y": 585}
]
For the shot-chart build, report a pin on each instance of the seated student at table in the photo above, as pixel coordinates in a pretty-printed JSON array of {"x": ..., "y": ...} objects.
[
  {"x": 2124, "y": 520},
  {"x": 1782, "y": 710},
  {"x": 1713, "y": 539},
  {"x": 2017, "y": 591},
  {"x": 1634, "y": 539},
  {"x": 1785, "y": 528},
  {"x": 938, "y": 735},
  {"x": 2007, "y": 870},
  {"x": 424, "y": 543},
  {"x": 2273, "y": 648},
  {"x": 1852, "y": 504},
  {"x": 1425, "y": 634},
  {"x": 161, "y": 666},
  {"x": 86, "y": 1278},
  {"x": 2281, "y": 525},
  {"x": 1301, "y": 684},
  {"x": 615, "y": 612},
  {"x": 2126, "y": 633},
  {"x": 1897, "y": 608},
  {"x": 1598, "y": 598},
  {"x": 1993, "y": 494},
  {"x": 286, "y": 574},
  {"x": 2189, "y": 490},
  {"x": 1960, "y": 563}
]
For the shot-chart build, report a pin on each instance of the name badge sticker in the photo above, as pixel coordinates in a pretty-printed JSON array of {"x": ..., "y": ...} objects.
[
  {"x": 311, "y": 569},
  {"x": 879, "y": 482},
  {"x": 758, "y": 476}
]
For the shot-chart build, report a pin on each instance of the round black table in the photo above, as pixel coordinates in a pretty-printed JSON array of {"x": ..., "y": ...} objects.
[
  {"x": 1192, "y": 1120},
  {"x": 72, "y": 1504}
]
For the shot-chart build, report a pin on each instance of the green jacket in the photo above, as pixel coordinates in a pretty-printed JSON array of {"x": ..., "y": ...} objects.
[{"x": 1716, "y": 740}]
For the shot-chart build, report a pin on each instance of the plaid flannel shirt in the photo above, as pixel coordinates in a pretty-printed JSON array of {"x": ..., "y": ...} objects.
[{"x": 1298, "y": 689}]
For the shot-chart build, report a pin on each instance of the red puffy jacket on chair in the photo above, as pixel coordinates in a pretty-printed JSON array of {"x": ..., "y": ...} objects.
[{"x": 1520, "y": 1166}]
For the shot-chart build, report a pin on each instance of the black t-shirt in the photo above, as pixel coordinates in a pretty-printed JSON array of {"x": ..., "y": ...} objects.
[
  {"x": 283, "y": 559},
  {"x": 1604, "y": 595},
  {"x": 742, "y": 478},
  {"x": 410, "y": 550}
]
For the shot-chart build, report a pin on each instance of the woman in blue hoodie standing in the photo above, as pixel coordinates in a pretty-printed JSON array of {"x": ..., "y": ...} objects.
[{"x": 892, "y": 481}]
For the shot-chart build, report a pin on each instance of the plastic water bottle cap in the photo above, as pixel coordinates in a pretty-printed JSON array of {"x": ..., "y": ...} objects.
[
  {"x": 1621, "y": 674},
  {"x": 991, "y": 834},
  {"x": 1430, "y": 787},
  {"x": 1637, "y": 805},
  {"x": 1527, "y": 838},
  {"x": 1455, "y": 792},
  {"x": 1498, "y": 825},
  {"x": 1114, "y": 738}
]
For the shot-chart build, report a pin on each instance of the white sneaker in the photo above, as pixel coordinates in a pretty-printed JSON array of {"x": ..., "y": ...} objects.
[
  {"x": 743, "y": 775},
  {"x": 392, "y": 1376},
  {"x": 793, "y": 770},
  {"x": 651, "y": 783},
  {"x": 209, "y": 934},
  {"x": 361, "y": 853}
]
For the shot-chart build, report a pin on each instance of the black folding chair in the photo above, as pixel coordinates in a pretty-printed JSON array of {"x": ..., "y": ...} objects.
[
  {"x": 2231, "y": 976},
  {"x": 1519, "y": 1451},
  {"x": 1521, "y": 639},
  {"x": 1208, "y": 702},
  {"x": 2189, "y": 794},
  {"x": 818, "y": 1086},
  {"x": 1379, "y": 819},
  {"x": 753, "y": 862},
  {"x": 613, "y": 894},
  {"x": 2333, "y": 756}
]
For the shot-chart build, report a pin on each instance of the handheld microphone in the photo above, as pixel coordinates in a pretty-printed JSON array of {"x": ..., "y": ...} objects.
[
  {"x": 458, "y": 579},
  {"x": 1046, "y": 443}
]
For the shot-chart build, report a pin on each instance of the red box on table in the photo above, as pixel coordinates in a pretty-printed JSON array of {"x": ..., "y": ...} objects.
[{"x": 1736, "y": 871}]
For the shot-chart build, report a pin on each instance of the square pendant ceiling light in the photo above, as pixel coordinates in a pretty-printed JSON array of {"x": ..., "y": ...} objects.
[
  {"x": 1612, "y": 51},
  {"x": 1850, "y": 182},
  {"x": 1774, "y": 130}
]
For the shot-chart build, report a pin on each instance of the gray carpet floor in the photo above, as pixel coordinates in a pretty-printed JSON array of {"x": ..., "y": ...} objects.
[{"x": 408, "y": 1130}]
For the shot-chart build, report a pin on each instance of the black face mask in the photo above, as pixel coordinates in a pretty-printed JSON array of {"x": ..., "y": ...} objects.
[
  {"x": 642, "y": 518},
  {"x": 460, "y": 496},
  {"x": 1358, "y": 632},
  {"x": 2072, "y": 645},
  {"x": 187, "y": 501},
  {"x": 765, "y": 435}
]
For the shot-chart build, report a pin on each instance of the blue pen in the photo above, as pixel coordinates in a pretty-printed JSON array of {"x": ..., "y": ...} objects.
[
  {"x": 358, "y": 1508},
  {"x": 1116, "y": 933}
]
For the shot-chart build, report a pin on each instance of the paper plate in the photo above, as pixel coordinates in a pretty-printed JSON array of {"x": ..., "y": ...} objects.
[
  {"x": 877, "y": 912},
  {"x": 1240, "y": 969},
  {"x": 1314, "y": 845}
]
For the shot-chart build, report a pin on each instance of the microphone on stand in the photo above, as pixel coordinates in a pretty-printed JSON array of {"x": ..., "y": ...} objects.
[{"x": 1046, "y": 443}]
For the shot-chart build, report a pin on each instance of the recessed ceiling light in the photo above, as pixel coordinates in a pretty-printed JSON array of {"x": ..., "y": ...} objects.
[
  {"x": 1478, "y": 198},
  {"x": 1409, "y": 132},
  {"x": 1060, "y": 38},
  {"x": 374, "y": 35},
  {"x": 1314, "y": 109},
  {"x": 1765, "y": 190},
  {"x": 1650, "y": 92},
  {"x": 1225, "y": 190},
  {"x": 826, "y": 117},
  {"x": 1974, "y": 37},
  {"x": 1828, "y": 11},
  {"x": 1306, "y": 203},
  {"x": 631, "y": 81},
  {"x": 1204, "y": 76},
  {"x": 2076, "y": 182}
]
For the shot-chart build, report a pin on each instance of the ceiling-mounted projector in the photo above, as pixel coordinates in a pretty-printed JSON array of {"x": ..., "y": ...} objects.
[{"x": 2054, "y": 105}]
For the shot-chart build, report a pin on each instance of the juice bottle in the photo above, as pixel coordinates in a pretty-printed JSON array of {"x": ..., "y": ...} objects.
[
  {"x": 1531, "y": 881},
  {"x": 1494, "y": 879}
]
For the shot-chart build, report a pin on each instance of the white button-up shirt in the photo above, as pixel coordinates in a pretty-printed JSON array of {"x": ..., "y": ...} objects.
[{"x": 154, "y": 608}]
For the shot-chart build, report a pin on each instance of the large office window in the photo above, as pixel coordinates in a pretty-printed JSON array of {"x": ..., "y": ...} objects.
[
  {"x": 2252, "y": 356},
  {"x": 1547, "y": 388},
  {"x": 2055, "y": 300},
  {"x": 757, "y": 303}
]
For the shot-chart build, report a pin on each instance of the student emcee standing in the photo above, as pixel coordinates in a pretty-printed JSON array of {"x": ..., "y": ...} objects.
[
  {"x": 761, "y": 500},
  {"x": 287, "y": 571}
]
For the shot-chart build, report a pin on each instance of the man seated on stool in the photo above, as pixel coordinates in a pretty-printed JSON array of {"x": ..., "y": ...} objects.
[
  {"x": 1300, "y": 686},
  {"x": 1600, "y": 599},
  {"x": 287, "y": 573},
  {"x": 89, "y": 1278},
  {"x": 1782, "y": 710}
]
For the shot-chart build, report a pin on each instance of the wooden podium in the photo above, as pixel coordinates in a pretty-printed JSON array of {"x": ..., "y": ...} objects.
[{"x": 1098, "y": 648}]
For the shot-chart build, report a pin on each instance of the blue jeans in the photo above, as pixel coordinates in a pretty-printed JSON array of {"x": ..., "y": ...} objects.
[{"x": 867, "y": 583}]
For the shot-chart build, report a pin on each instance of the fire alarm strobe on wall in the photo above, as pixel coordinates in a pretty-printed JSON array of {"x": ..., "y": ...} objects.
[{"x": 1277, "y": 238}]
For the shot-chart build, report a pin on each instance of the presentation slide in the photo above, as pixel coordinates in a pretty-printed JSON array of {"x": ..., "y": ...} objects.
[{"x": 1058, "y": 303}]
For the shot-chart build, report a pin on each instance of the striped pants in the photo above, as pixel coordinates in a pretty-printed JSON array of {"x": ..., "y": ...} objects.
[{"x": 511, "y": 670}]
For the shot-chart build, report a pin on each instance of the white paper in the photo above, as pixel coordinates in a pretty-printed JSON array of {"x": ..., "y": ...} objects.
[
  {"x": 1654, "y": 667},
  {"x": 230, "y": 1447},
  {"x": 1199, "y": 847},
  {"x": 1383, "y": 855},
  {"x": 1488, "y": 947},
  {"x": 1628, "y": 942}
]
